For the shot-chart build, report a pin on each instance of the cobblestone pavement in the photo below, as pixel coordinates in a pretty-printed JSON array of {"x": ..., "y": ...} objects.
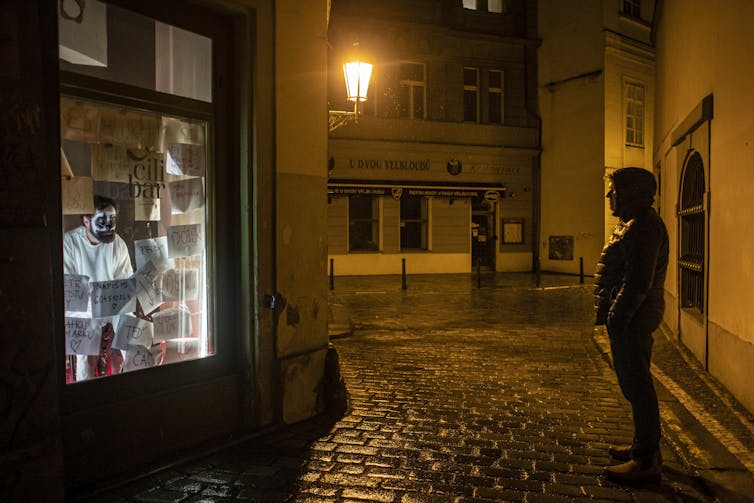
[{"x": 463, "y": 394}]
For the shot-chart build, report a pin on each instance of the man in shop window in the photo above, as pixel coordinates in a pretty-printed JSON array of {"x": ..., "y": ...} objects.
[
  {"x": 629, "y": 299},
  {"x": 94, "y": 249}
]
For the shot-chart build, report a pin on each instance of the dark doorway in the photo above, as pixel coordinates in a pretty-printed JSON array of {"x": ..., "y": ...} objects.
[{"x": 483, "y": 237}]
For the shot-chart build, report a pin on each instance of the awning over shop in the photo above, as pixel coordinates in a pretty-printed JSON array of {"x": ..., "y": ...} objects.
[{"x": 490, "y": 191}]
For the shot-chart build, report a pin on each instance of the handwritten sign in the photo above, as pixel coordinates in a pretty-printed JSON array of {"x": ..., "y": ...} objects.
[
  {"x": 153, "y": 250},
  {"x": 138, "y": 358},
  {"x": 148, "y": 287},
  {"x": 110, "y": 298},
  {"x": 181, "y": 349},
  {"x": 76, "y": 292},
  {"x": 185, "y": 240},
  {"x": 172, "y": 323},
  {"x": 82, "y": 336},
  {"x": 180, "y": 284},
  {"x": 186, "y": 159},
  {"x": 186, "y": 195},
  {"x": 132, "y": 331}
]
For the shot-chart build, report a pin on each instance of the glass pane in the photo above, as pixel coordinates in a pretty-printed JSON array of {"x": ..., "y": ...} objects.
[
  {"x": 470, "y": 77},
  {"x": 469, "y": 106},
  {"x": 116, "y": 44},
  {"x": 418, "y": 102},
  {"x": 404, "y": 101},
  {"x": 135, "y": 246},
  {"x": 469, "y": 4},
  {"x": 412, "y": 235},
  {"x": 496, "y": 79},
  {"x": 496, "y": 114},
  {"x": 495, "y": 6},
  {"x": 412, "y": 71}
]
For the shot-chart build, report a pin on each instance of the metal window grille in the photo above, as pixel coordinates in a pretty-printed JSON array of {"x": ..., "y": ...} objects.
[{"x": 691, "y": 212}]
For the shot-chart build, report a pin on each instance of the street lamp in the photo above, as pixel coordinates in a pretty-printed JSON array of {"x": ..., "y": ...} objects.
[{"x": 357, "y": 75}]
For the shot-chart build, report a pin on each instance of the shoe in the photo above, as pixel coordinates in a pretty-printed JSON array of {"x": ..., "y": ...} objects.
[
  {"x": 620, "y": 452},
  {"x": 623, "y": 453},
  {"x": 633, "y": 473}
]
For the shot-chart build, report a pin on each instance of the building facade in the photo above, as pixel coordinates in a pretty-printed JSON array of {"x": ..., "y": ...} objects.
[
  {"x": 596, "y": 98},
  {"x": 438, "y": 169},
  {"x": 703, "y": 158},
  {"x": 183, "y": 114}
]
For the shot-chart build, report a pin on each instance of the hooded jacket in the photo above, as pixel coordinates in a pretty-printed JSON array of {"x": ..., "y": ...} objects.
[{"x": 631, "y": 271}]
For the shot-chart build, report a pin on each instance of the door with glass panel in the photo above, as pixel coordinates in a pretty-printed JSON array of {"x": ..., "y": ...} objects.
[{"x": 146, "y": 239}]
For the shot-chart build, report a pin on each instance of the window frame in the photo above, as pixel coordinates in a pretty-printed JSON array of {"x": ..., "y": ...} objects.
[
  {"x": 495, "y": 90},
  {"x": 692, "y": 216},
  {"x": 412, "y": 85},
  {"x": 631, "y": 8},
  {"x": 423, "y": 222},
  {"x": 375, "y": 220},
  {"x": 634, "y": 110},
  {"x": 471, "y": 88}
]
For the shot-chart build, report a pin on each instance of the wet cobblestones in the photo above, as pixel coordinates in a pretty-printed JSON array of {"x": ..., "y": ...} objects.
[{"x": 457, "y": 394}]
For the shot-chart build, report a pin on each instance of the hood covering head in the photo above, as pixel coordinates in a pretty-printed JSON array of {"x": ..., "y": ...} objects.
[{"x": 635, "y": 189}]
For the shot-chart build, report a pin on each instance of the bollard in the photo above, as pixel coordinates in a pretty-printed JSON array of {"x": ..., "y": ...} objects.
[
  {"x": 332, "y": 274},
  {"x": 581, "y": 269},
  {"x": 478, "y": 274},
  {"x": 403, "y": 273}
]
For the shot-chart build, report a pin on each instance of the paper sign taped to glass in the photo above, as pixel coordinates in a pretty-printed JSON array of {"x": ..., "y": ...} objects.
[
  {"x": 79, "y": 121},
  {"x": 82, "y": 336},
  {"x": 130, "y": 129},
  {"x": 76, "y": 292},
  {"x": 132, "y": 331},
  {"x": 77, "y": 195},
  {"x": 153, "y": 250},
  {"x": 148, "y": 285},
  {"x": 186, "y": 159},
  {"x": 186, "y": 195},
  {"x": 177, "y": 131},
  {"x": 146, "y": 209},
  {"x": 185, "y": 240},
  {"x": 111, "y": 298},
  {"x": 181, "y": 349},
  {"x": 172, "y": 323},
  {"x": 180, "y": 284},
  {"x": 115, "y": 163},
  {"x": 137, "y": 358}
]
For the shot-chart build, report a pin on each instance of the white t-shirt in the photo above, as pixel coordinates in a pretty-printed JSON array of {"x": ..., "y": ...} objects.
[{"x": 102, "y": 262}]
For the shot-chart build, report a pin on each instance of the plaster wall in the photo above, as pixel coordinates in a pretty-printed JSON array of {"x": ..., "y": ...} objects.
[
  {"x": 300, "y": 192},
  {"x": 570, "y": 62},
  {"x": 705, "y": 48}
]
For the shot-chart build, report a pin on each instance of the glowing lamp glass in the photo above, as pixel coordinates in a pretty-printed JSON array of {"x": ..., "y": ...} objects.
[{"x": 357, "y": 75}]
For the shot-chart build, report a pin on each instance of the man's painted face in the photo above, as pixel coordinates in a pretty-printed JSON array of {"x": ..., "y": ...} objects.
[
  {"x": 612, "y": 196},
  {"x": 103, "y": 223}
]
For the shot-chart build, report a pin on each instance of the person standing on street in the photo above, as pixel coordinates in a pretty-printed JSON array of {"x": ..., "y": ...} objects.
[{"x": 629, "y": 299}]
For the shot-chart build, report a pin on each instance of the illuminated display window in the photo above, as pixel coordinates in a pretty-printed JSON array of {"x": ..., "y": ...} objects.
[{"x": 134, "y": 182}]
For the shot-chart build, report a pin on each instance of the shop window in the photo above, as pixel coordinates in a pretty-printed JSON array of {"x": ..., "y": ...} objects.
[
  {"x": 414, "y": 213},
  {"x": 412, "y": 91},
  {"x": 471, "y": 94},
  {"x": 692, "y": 217},
  {"x": 135, "y": 177},
  {"x": 634, "y": 115},
  {"x": 495, "y": 91},
  {"x": 363, "y": 223}
]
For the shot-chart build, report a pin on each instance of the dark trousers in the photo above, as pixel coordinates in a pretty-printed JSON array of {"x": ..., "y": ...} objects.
[{"x": 632, "y": 352}]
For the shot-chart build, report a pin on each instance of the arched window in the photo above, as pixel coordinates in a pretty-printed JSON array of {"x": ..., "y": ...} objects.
[{"x": 691, "y": 213}]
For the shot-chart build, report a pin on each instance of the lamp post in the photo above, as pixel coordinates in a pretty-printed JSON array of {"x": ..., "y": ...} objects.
[{"x": 357, "y": 75}]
